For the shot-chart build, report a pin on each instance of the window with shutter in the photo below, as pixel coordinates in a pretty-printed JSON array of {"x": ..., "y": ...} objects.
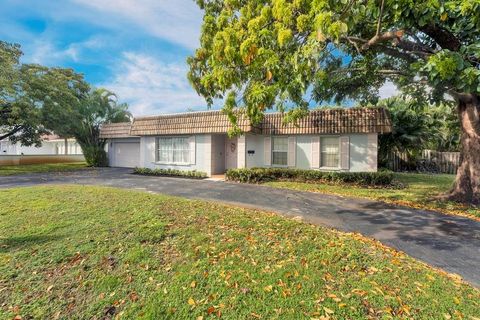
[
  {"x": 279, "y": 151},
  {"x": 329, "y": 152}
]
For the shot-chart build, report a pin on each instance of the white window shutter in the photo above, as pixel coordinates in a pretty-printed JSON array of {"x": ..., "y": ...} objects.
[
  {"x": 345, "y": 153},
  {"x": 267, "y": 149},
  {"x": 192, "y": 145},
  {"x": 315, "y": 152},
  {"x": 292, "y": 145}
]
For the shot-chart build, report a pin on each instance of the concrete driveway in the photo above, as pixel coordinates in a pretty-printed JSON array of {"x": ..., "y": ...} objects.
[{"x": 447, "y": 242}]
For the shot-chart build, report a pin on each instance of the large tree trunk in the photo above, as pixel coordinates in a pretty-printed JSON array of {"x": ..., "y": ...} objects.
[{"x": 467, "y": 182}]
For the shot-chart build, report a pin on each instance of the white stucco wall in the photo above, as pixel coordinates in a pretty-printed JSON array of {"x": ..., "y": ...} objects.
[
  {"x": 304, "y": 152},
  {"x": 359, "y": 153},
  {"x": 47, "y": 148},
  {"x": 210, "y": 153},
  {"x": 254, "y": 143},
  {"x": 203, "y": 155},
  {"x": 363, "y": 151}
]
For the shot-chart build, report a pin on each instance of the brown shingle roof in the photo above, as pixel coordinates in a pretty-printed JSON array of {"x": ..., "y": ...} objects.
[
  {"x": 186, "y": 123},
  {"x": 116, "y": 130},
  {"x": 328, "y": 121},
  {"x": 355, "y": 120}
]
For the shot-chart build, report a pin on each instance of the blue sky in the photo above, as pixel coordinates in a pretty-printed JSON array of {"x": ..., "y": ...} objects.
[{"x": 136, "y": 48}]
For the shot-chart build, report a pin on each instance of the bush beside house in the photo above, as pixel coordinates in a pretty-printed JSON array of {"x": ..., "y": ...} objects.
[
  {"x": 258, "y": 175},
  {"x": 170, "y": 173}
]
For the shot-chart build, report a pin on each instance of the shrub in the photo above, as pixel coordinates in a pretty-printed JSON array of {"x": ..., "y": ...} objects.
[
  {"x": 257, "y": 175},
  {"x": 170, "y": 173}
]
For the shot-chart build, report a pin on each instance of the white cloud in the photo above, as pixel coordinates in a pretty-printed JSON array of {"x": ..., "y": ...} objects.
[
  {"x": 152, "y": 87},
  {"x": 177, "y": 21},
  {"x": 43, "y": 51},
  {"x": 389, "y": 89}
]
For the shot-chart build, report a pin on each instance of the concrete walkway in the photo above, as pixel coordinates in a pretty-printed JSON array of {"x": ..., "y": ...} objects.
[{"x": 447, "y": 242}]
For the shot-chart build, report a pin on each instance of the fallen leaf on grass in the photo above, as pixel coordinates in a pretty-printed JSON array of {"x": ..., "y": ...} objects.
[
  {"x": 329, "y": 311},
  {"x": 133, "y": 296},
  {"x": 210, "y": 310}
]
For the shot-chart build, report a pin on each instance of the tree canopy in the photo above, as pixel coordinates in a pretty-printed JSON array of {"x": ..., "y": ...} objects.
[
  {"x": 279, "y": 53},
  {"x": 289, "y": 54},
  {"x": 32, "y": 95},
  {"x": 35, "y": 100}
]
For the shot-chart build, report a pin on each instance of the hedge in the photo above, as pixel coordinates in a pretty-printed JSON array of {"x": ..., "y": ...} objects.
[
  {"x": 257, "y": 175},
  {"x": 170, "y": 173}
]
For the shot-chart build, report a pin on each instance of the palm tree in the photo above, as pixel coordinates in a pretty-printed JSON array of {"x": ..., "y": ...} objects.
[
  {"x": 447, "y": 127},
  {"x": 99, "y": 107},
  {"x": 412, "y": 130}
]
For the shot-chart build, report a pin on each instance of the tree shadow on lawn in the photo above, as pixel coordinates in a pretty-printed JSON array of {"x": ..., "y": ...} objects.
[{"x": 16, "y": 242}]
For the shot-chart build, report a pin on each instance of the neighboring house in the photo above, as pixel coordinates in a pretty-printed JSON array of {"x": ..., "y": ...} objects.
[
  {"x": 51, "y": 145},
  {"x": 337, "y": 139}
]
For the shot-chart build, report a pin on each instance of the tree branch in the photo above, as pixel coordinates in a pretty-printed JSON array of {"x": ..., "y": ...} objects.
[
  {"x": 385, "y": 49},
  {"x": 379, "y": 38},
  {"x": 11, "y": 132},
  {"x": 379, "y": 23},
  {"x": 397, "y": 54},
  {"x": 443, "y": 37},
  {"x": 380, "y": 71},
  {"x": 414, "y": 47}
]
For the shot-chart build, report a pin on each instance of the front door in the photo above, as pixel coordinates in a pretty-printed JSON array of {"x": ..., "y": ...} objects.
[{"x": 231, "y": 153}]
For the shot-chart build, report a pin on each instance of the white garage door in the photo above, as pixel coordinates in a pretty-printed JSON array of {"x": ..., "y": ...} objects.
[{"x": 127, "y": 154}]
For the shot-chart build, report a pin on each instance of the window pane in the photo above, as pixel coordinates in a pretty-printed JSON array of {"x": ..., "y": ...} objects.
[
  {"x": 280, "y": 151},
  {"x": 280, "y": 158},
  {"x": 330, "y": 152},
  {"x": 173, "y": 150},
  {"x": 280, "y": 144}
]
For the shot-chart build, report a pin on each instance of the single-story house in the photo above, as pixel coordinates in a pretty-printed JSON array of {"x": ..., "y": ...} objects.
[
  {"x": 330, "y": 139},
  {"x": 51, "y": 145}
]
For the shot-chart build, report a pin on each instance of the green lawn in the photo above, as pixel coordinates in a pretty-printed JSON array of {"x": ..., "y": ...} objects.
[
  {"x": 78, "y": 252},
  {"x": 420, "y": 192},
  {"x": 38, "y": 168}
]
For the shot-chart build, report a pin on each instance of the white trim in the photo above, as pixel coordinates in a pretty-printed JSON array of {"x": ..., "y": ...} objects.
[{"x": 330, "y": 168}]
